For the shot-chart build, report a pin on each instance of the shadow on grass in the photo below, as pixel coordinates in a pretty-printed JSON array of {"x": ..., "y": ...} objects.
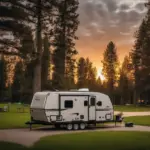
[
  {"x": 90, "y": 128},
  {"x": 11, "y": 146}
]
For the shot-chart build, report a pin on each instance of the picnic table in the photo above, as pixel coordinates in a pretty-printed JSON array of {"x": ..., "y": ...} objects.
[
  {"x": 21, "y": 107},
  {"x": 4, "y": 109}
]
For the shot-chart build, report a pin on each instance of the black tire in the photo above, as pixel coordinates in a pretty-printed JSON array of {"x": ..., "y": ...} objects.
[
  {"x": 76, "y": 127},
  {"x": 69, "y": 126},
  {"x": 82, "y": 126}
]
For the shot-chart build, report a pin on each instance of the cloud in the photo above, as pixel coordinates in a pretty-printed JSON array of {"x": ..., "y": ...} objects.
[
  {"x": 125, "y": 34},
  {"x": 124, "y": 7},
  {"x": 140, "y": 7},
  {"x": 105, "y": 20}
]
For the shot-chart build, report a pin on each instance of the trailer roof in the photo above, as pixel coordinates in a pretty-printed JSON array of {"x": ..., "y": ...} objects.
[{"x": 72, "y": 93}]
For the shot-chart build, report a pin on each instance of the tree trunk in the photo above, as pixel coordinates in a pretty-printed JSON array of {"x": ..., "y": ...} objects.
[
  {"x": 135, "y": 97},
  {"x": 1, "y": 75},
  {"x": 122, "y": 100},
  {"x": 37, "y": 68},
  {"x": 63, "y": 66},
  {"x": 37, "y": 78}
]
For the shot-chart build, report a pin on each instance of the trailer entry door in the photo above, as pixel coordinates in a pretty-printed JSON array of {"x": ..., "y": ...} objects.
[{"x": 92, "y": 113}]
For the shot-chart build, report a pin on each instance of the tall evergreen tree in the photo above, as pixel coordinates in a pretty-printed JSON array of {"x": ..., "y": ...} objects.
[
  {"x": 18, "y": 81},
  {"x": 66, "y": 24},
  {"x": 45, "y": 62},
  {"x": 110, "y": 66},
  {"x": 12, "y": 25},
  {"x": 81, "y": 73},
  {"x": 137, "y": 57},
  {"x": 27, "y": 47},
  {"x": 124, "y": 81},
  {"x": 140, "y": 56},
  {"x": 91, "y": 73},
  {"x": 70, "y": 74},
  {"x": 3, "y": 75},
  {"x": 86, "y": 74},
  {"x": 23, "y": 13}
]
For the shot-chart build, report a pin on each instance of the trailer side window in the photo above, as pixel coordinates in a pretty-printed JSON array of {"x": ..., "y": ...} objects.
[
  {"x": 92, "y": 101},
  {"x": 68, "y": 104},
  {"x": 99, "y": 103},
  {"x": 85, "y": 103}
]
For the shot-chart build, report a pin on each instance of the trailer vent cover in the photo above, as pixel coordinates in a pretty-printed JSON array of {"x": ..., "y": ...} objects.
[{"x": 84, "y": 90}]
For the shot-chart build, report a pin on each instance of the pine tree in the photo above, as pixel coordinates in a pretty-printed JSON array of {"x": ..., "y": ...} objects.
[
  {"x": 137, "y": 56},
  {"x": 88, "y": 66},
  {"x": 124, "y": 81},
  {"x": 70, "y": 74},
  {"x": 140, "y": 56},
  {"x": 18, "y": 81},
  {"x": 86, "y": 74},
  {"x": 45, "y": 62},
  {"x": 81, "y": 73},
  {"x": 3, "y": 75},
  {"x": 24, "y": 15},
  {"x": 110, "y": 66},
  {"x": 91, "y": 76},
  {"x": 12, "y": 25},
  {"x": 66, "y": 24}
]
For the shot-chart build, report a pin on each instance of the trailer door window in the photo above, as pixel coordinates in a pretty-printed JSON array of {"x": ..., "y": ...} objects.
[
  {"x": 68, "y": 104},
  {"x": 92, "y": 101},
  {"x": 85, "y": 103}
]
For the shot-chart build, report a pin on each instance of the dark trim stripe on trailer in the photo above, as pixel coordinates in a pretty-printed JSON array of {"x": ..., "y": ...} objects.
[
  {"x": 105, "y": 109},
  {"x": 48, "y": 109},
  {"x": 59, "y": 105},
  {"x": 73, "y": 95}
]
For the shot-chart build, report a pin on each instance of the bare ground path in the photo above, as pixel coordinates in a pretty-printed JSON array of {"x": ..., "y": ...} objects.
[{"x": 28, "y": 138}]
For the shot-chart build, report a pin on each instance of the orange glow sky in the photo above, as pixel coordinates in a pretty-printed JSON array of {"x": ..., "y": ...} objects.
[{"x": 102, "y": 21}]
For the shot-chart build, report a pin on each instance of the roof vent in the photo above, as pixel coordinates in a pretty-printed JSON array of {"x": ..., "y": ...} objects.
[
  {"x": 84, "y": 90},
  {"x": 73, "y": 90}
]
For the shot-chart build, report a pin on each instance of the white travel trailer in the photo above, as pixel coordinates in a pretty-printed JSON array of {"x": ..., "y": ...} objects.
[{"x": 72, "y": 109}]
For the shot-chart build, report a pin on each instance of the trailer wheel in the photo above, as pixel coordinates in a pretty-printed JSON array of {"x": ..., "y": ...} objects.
[
  {"x": 82, "y": 126},
  {"x": 76, "y": 127},
  {"x": 69, "y": 126}
]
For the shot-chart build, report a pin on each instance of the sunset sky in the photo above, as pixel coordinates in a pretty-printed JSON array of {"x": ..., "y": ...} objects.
[{"x": 102, "y": 21}]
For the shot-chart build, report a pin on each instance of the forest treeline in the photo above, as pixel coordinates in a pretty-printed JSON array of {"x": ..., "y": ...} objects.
[{"x": 38, "y": 53}]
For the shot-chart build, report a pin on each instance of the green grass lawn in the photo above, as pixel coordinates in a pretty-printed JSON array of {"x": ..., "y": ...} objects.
[
  {"x": 139, "y": 120},
  {"x": 13, "y": 107},
  {"x": 12, "y": 146},
  {"x": 132, "y": 108},
  {"x": 89, "y": 141},
  {"x": 14, "y": 119}
]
